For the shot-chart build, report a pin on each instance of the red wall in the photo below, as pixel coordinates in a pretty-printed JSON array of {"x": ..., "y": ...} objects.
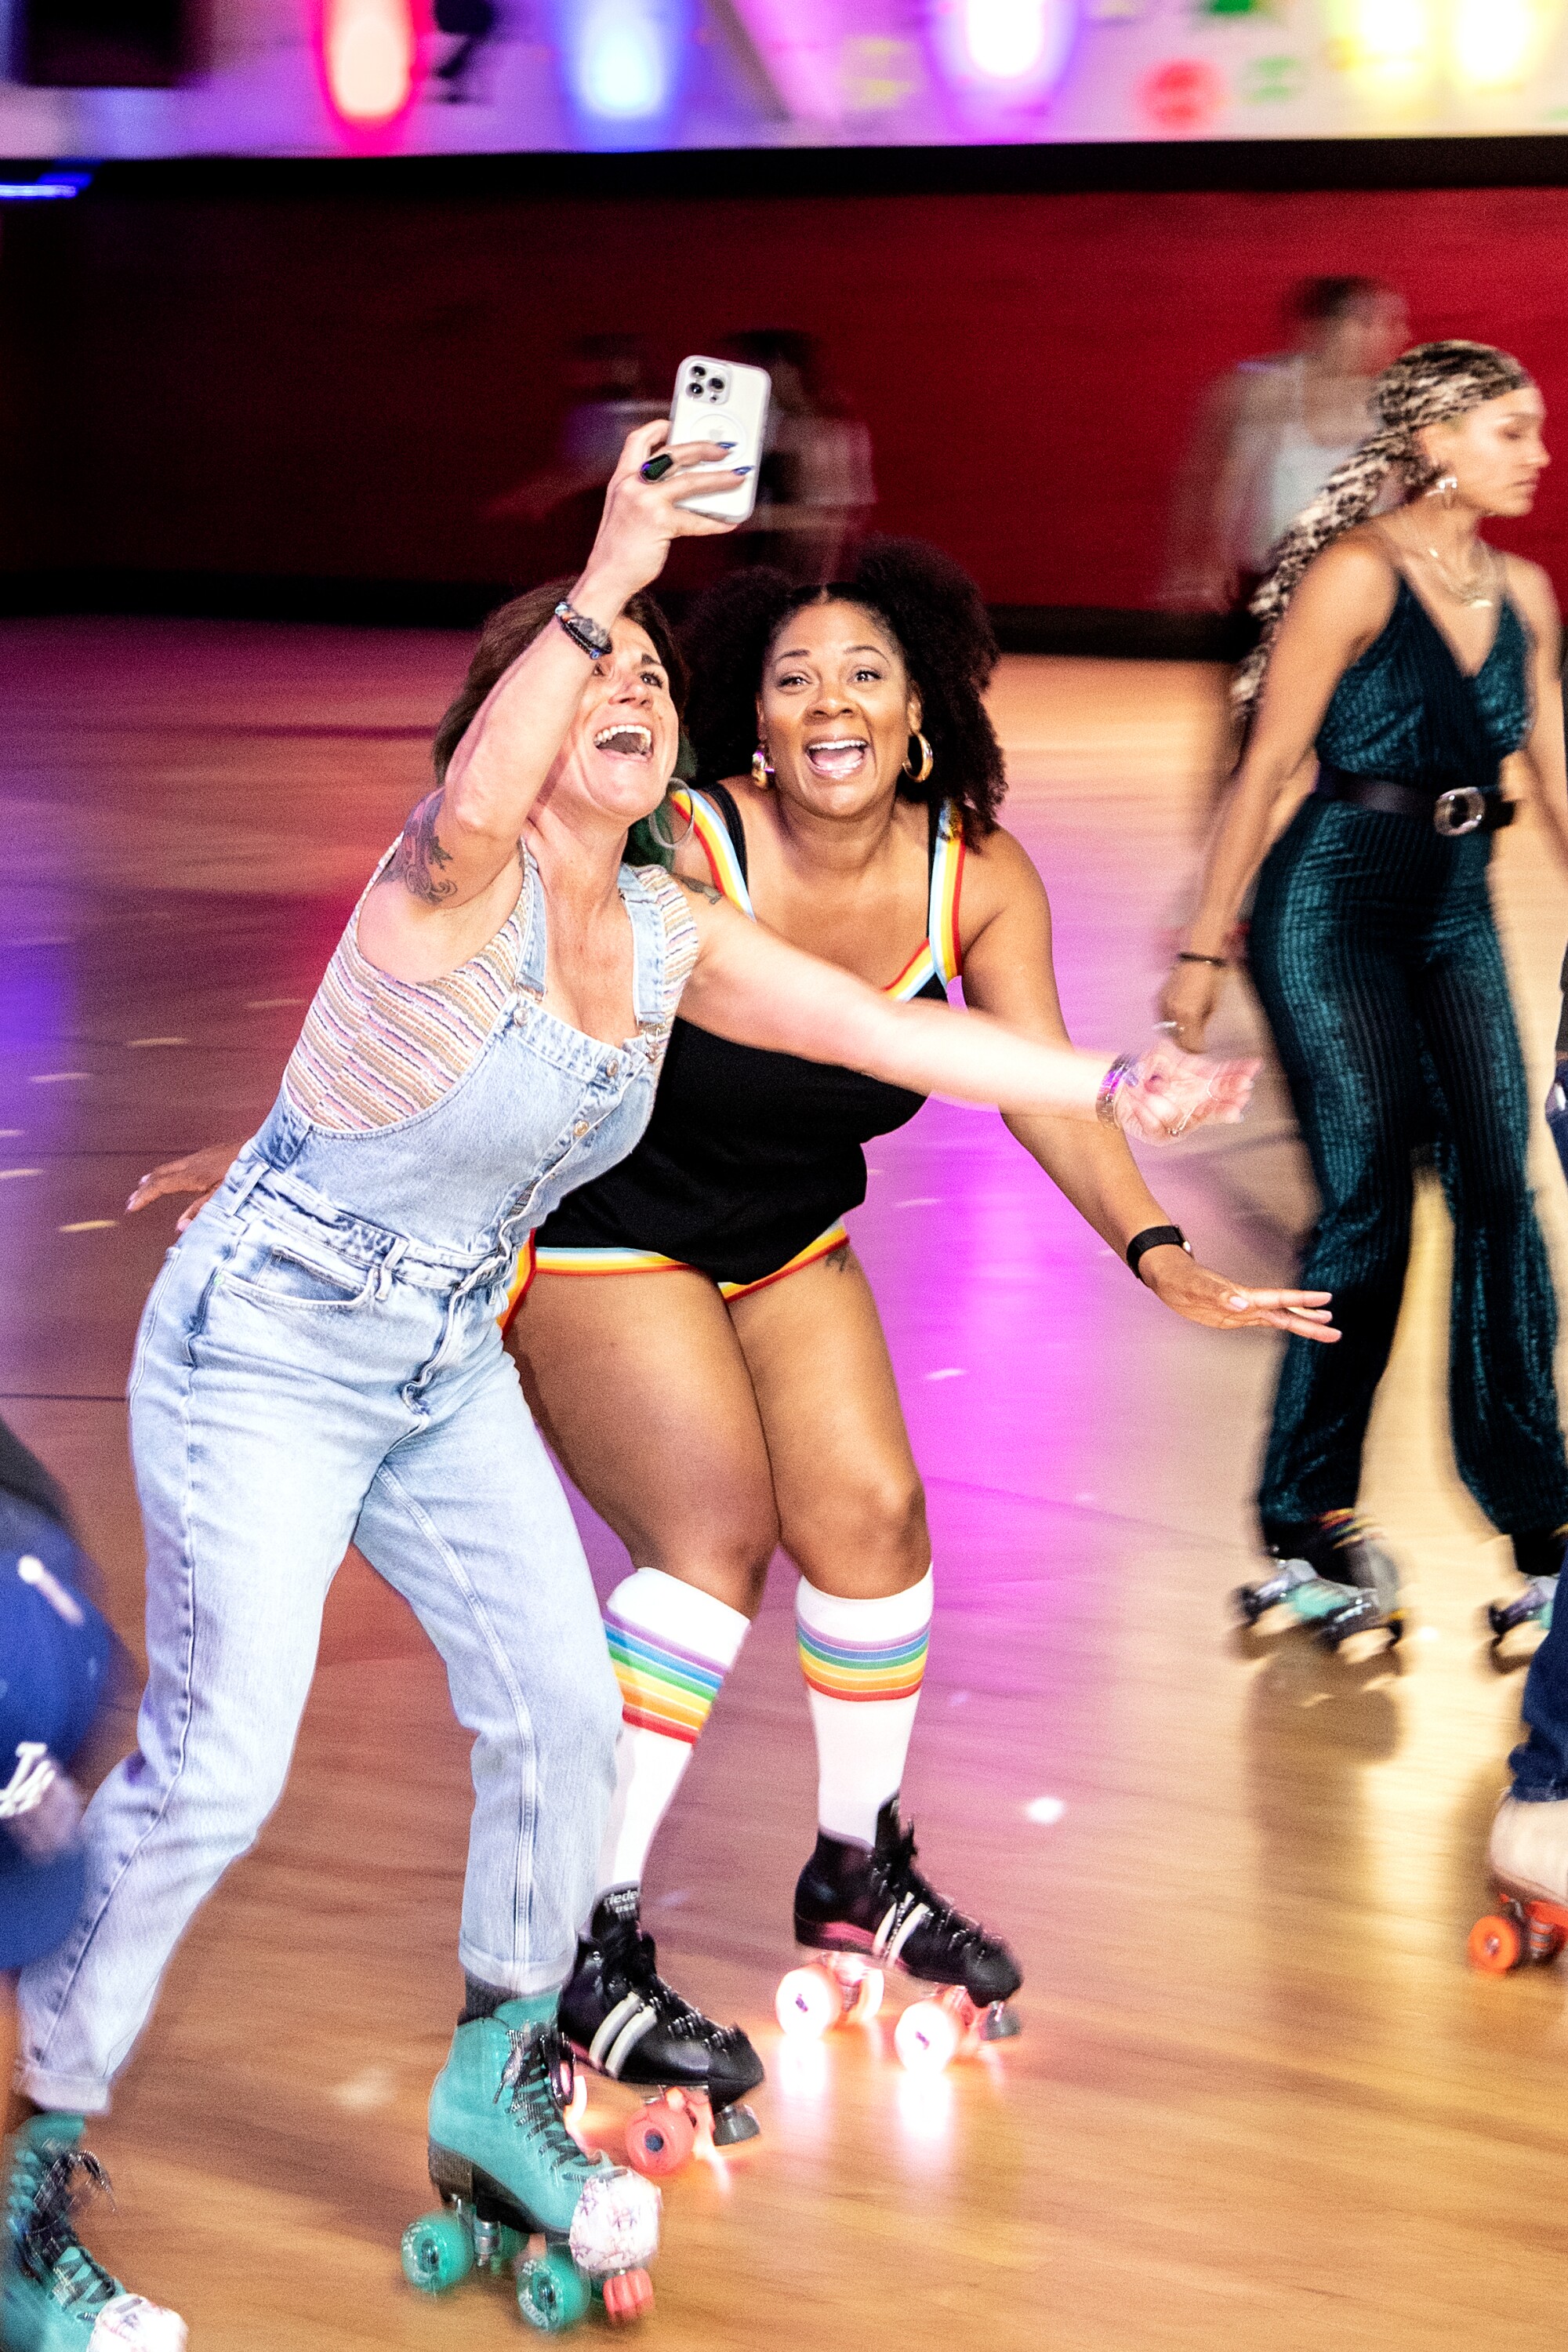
[{"x": 335, "y": 387}]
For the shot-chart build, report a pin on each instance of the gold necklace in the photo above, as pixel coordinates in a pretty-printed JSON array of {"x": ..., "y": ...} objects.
[{"x": 1468, "y": 592}]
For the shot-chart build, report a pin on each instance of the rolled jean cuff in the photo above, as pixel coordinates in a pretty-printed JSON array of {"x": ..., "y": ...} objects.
[
  {"x": 1536, "y": 1779},
  {"x": 510, "y": 1976},
  {"x": 62, "y": 2095}
]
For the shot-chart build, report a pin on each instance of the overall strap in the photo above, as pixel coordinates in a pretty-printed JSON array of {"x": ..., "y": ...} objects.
[{"x": 716, "y": 822}]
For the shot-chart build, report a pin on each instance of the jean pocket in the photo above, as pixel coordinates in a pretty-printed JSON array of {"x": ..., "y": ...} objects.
[{"x": 279, "y": 1277}]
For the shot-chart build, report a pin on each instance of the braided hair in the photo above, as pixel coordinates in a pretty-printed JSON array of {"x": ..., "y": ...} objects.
[{"x": 1423, "y": 386}]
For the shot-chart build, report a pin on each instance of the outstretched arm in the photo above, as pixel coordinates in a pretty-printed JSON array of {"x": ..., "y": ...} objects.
[
  {"x": 753, "y": 987},
  {"x": 1008, "y": 972}
]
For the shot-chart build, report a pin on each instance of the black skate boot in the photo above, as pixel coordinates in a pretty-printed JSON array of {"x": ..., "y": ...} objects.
[
  {"x": 619, "y": 2014},
  {"x": 1334, "y": 1574},
  {"x": 877, "y": 1906},
  {"x": 1539, "y": 1559}
]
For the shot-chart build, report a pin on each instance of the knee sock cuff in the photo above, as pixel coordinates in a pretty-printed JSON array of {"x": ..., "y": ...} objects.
[
  {"x": 671, "y": 1646},
  {"x": 860, "y": 1650}
]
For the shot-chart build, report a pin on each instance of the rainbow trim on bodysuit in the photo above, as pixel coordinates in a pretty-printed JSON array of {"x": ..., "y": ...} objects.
[
  {"x": 863, "y": 1670},
  {"x": 664, "y": 1688},
  {"x": 535, "y": 1260}
]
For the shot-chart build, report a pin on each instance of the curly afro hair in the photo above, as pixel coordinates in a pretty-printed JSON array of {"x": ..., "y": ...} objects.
[{"x": 934, "y": 615}]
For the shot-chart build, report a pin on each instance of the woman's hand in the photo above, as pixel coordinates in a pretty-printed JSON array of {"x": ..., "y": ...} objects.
[
  {"x": 641, "y": 519},
  {"x": 1194, "y": 1292},
  {"x": 199, "y": 1171},
  {"x": 1187, "y": 1002},
  {"x": 1168, "y": 1091}
]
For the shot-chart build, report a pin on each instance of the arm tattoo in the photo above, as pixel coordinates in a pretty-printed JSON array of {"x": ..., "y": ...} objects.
[
  {"x": 420, "y": 854},
  {"x": 699, "y": 889}
]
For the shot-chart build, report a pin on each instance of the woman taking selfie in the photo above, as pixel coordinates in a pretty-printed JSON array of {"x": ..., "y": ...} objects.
[
  {"x": 1415, "y": 658},
  {"x": 320, "y": 1361}
]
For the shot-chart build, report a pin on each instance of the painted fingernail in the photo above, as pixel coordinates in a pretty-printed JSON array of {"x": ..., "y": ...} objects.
[
  {"x": 739, "y": 469},
  {"x": 729, "y": 445}
]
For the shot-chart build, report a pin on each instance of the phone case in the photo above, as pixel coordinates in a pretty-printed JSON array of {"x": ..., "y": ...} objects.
[{"x": 719, "y": 399}]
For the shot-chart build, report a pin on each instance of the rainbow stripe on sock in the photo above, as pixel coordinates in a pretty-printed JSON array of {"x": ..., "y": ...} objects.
[
  {"x": 862, "y": 1670},
  {"x": 663, "y": 1687}
]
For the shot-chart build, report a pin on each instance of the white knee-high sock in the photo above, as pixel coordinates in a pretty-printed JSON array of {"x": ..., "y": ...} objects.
[
  {"x": 671, "y": 1647},
  {"x": 862, "y": 1661}
]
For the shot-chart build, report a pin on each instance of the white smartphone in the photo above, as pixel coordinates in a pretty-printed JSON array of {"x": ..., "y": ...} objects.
[{"x": 719, "y": 399}]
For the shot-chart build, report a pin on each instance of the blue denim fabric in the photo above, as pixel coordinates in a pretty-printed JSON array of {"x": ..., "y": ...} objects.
[{"x": 320, "y": 1362}]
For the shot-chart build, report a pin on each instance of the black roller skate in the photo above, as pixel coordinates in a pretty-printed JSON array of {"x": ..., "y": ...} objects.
[
  {"x": 1539, "y": 1559},
  {"x": 1334, "y": 1574},
  {"x": 869, "y": 1911},
  {"x": 624, "y": 2020}
]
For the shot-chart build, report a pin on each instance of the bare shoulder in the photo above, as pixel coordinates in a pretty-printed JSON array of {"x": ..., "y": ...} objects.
[
  {"x": 1530, "y": 585},
  {"x": 1356, "y": 577},
  {"x": 999, "y": 878}
]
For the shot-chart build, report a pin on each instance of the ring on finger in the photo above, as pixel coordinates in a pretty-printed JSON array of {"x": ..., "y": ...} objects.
[{"x": 654, "y": 469}]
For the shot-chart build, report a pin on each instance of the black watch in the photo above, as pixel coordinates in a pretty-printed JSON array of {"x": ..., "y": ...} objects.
[
  {"x": 1155, "y": 1237},
  {"x": 593, "y": 639}
]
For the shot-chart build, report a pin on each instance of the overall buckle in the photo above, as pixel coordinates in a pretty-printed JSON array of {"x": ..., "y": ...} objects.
[{"x": 1462, "y": 809}]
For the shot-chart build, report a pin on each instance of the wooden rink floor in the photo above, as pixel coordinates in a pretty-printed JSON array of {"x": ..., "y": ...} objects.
[{"x": 1259, "y": 2101}]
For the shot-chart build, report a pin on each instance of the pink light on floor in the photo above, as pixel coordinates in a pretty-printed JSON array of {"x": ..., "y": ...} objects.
[{"x": 369, "y": 51}]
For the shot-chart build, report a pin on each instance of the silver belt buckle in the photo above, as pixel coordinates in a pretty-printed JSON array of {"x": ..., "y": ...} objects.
[{"x": 1459, "y": 811}]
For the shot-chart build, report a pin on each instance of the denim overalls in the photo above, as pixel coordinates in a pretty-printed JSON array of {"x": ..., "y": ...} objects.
[{"x": 320, "y": 1363}]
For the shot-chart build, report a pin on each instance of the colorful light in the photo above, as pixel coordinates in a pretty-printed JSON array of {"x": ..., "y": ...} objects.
[
  {"x": 1493, "y": 43},
  {"x": 1005, "y": 52},
  {"x": 368, "y": 53},
  {"x": 623, "y": 58}
]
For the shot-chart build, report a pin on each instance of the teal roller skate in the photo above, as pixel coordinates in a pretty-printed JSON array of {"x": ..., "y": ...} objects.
[
  {"x": 508, "y": 2170},
  {"x": 1334, "y": 1574},
  {"x": 53, "y": 2297}
]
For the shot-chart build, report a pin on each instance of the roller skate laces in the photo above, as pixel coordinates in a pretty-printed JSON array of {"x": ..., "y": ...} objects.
[
  {"x": 880, "y": 1904},
  {"x": 536, "y": 2080},
  {"x": 74, "y": 2300}
]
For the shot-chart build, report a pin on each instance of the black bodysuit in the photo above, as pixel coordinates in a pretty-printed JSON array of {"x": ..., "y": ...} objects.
[{"x": 751, "y": 1158}]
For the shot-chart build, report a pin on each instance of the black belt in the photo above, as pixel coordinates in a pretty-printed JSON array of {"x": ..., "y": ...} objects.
[{"x": 1464, "y": 809}]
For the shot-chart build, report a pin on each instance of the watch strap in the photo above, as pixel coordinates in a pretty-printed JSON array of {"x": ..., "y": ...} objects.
[{"x": 1155, "y": 1237}]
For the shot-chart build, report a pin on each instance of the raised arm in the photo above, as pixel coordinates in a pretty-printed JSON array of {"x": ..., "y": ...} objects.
[
  {"x": 753, "y": 987},
  {"x": 457, "y": 861},
  {"x": 1342, "y": 601}
]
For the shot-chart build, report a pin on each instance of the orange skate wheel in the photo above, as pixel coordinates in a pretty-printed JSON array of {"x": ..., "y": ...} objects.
[
  {"x": 659, "y": 2140},
  {"x": 808, "y": 2002},
  {"x": 628, "y": 2296},
  {"x": 926, "y": 2037},
  {"x": 1494, "y": 1946}
]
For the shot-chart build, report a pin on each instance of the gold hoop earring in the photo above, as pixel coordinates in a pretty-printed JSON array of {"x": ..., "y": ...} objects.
[
  {"x": 928, "y": 759},
  {"x": 665, "y": 840},
  {"x": 762, "y": 769}
]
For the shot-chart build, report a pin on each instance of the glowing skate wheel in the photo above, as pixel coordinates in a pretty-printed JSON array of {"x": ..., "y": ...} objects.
[
  {"x": 808, "y": 2002},
  {"x": 865, "y": 1996},
  {"x": 659, "y": 2140},
  {"x": 551, "y": 2293},
  {"x": 437, "y": 2253},
  {"x": 926, "y": 2037},
  {"x": 1494, "y": 1946},
  {"x": 628, "y": 2296}
]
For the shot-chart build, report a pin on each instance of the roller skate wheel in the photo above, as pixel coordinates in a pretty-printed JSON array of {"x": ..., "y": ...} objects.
[
  {"x": 808, "y": 2002},
  {"x": 628, "y": 2296},
  {"x": 1495, "y": 1946},
  {"x": 551, "y": 2293},
  {"x": 437, "y": 2253},
  {"x": 927, "y": 2037},
  {"x": 1247, "y": 1604},
  {"x": 659, "y": 2140}
]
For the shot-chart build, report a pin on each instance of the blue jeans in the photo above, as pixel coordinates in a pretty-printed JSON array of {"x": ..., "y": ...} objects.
[{"x": 298, "y": 1385}]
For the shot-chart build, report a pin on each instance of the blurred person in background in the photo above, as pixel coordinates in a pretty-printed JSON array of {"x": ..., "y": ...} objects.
[
  {"x": 1269, "y": 434},
  {"x": 815, "y": 490},
  {"x": 57, "y": 1662},
  {"x": 606, "y": 380},
  {"x": 1414, "y": 658}
]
